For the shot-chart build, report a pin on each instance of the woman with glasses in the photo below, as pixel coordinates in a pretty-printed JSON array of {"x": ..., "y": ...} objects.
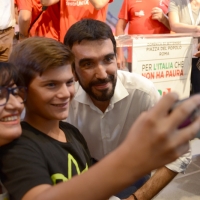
[{"x": 12, "y": 96}]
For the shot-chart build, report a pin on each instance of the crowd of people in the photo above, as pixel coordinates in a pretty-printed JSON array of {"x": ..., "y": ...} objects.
[{"x": 83, "y": 116}]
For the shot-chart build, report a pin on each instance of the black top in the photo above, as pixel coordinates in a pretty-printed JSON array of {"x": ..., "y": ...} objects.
[{"x": 35, "y": 158}]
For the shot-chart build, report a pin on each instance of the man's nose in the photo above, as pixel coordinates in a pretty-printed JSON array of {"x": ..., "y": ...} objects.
[{"x": 100, "y": 72}]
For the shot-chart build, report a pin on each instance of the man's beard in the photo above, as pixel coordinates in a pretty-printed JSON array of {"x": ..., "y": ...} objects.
[{"x": 103, "y": 95}]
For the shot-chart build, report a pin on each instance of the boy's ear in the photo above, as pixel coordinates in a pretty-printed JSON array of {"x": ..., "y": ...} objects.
[{"x": 74, "y": 72}]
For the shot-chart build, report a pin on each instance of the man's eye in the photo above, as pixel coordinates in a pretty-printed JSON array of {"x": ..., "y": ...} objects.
[
  {"x": 87, "y": 64},
  {"x": 109, "y": 59}
]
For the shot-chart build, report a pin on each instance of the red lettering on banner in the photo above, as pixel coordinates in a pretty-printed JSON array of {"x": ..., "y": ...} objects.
[
  {"x": 149, "y": 75},
  {"x": 173, "y": 73},
  {"x": 159, "y": 74}
]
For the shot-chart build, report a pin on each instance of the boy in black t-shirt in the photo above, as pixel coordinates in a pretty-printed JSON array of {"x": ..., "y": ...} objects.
[{"x": 51, "y": 151}]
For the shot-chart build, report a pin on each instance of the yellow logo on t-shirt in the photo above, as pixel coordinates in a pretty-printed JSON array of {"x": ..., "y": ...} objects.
[{"x": 60, "y": 177}]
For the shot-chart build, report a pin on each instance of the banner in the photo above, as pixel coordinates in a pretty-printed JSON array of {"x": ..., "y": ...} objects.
[{"x": 165, "y": 61}]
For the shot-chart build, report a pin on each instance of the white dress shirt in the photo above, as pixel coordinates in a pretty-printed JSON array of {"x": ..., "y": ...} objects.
[{"x": 105, "y": 131}]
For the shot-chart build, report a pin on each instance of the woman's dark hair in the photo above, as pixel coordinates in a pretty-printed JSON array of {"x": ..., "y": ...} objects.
[{"x": 8, "y": 74}]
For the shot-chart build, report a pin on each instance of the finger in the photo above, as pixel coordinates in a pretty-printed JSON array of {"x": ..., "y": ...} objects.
[
  {"x": 164, "y": 105},
  {"x": 156, "y": 17},
  {"x": 183, "y": 136},
  {"x": 198, "y": 46},
  {"x": 197, "y": 54},
  {"x": 181, "y": 112},
  {"x": 156, "y": 9},
  {"x": 154, "y": 12},
  {"x": 182, "y": 149},
  {"x": 118, "y": 65},
  {"x": 123, "y": 65}
]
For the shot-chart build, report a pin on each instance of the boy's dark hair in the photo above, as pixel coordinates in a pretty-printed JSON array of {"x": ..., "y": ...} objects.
[
  {"x": 8, "y": 74},
  {"x": 35, "y": 55},
  {"x": 89, "y": 29}
]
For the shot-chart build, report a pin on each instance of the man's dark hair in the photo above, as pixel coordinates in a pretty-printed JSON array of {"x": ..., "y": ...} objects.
[
  {"x": 35, "y": 55},
  {"x": 89, "y": 29},
  {"x": 9, "y": 75}
]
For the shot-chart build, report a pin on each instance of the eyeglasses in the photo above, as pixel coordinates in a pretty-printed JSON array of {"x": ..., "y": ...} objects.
[{"x": 19, "y": 92}]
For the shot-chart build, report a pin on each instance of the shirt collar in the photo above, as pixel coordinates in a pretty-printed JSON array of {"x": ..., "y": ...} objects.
[{"x": 119, "y": 94}]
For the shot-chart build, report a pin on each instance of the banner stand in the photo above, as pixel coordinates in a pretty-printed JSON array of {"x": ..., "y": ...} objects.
[{"x": 165, "y": 59}]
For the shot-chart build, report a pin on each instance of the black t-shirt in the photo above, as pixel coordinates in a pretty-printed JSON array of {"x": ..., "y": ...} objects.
[{"x": 35, "y": 158}]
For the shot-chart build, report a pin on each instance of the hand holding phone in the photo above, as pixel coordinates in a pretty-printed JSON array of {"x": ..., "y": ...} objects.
[{"x": 191, "y": 118}]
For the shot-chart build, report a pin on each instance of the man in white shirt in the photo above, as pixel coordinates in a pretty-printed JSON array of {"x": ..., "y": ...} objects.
[
  {"x": 7, "y": 23},
  {"x": 108, "y": 101}
]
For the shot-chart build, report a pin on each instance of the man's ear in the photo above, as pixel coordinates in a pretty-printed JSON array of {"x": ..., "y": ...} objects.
[{"x": 74, "y": 72}]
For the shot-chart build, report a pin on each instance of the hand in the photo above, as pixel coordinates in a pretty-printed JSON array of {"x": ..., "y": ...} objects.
[
  {"x": 197, "y": 54},
  {"x": 197, "y": 29},
  {"x": 162, "y": 141},
  {"x": 121, "y": 61},
  {"x": 22, "y": 37},
  {"x": 157, "y": 14}
]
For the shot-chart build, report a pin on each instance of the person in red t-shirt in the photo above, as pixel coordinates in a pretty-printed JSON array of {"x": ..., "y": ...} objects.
[
  {"x": 72, "y": 11},
  {"x": 34, "y": 21},
  {"x": 143, "y": 18}
]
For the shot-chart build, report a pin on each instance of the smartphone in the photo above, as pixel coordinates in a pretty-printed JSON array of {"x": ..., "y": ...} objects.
[{"x": 189, "y": 120}]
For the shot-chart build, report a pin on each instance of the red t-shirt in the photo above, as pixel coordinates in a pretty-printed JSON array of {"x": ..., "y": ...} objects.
[
  {"x": 48, "y": 23},
  {"x": 72, "y": 11},
  {"x": 138, "y": 15},
  {"x": 143, "y": 24}
]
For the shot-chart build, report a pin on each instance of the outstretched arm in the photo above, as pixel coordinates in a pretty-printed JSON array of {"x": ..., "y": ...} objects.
[
  {"x": 155, "y": 184},
  {"x": 178, "y": 27},
  {"x": 24, "y": 23},
  {"x": 162, "y": 145},
  {"x": 120, "y": 27}
]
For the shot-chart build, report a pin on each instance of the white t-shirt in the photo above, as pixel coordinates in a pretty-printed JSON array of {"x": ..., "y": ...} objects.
[{"x": 7, "y": 14}]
